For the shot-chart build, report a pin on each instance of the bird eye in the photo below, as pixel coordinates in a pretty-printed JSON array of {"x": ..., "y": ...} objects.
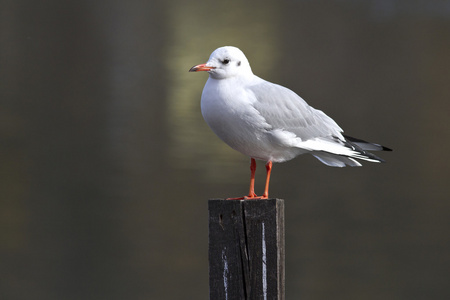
[{"x": 226, "y": 61}]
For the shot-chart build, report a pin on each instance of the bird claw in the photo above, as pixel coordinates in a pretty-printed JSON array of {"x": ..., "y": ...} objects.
[{"x": 252, "y": 197}]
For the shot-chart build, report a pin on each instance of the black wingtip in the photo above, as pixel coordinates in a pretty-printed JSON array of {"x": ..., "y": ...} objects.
[{"x": 355, "y": 140}]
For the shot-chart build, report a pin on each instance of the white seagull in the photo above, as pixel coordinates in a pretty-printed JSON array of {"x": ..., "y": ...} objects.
[{"x": 269, "y": 122}]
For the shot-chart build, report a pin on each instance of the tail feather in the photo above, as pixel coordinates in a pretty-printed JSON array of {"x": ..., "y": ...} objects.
[
  {"x": 334, "y": 160},
  {"x": 358, "y": 151}
]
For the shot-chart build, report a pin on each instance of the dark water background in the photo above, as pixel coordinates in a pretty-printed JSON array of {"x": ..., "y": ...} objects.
[{"x": 106, "y": 164}]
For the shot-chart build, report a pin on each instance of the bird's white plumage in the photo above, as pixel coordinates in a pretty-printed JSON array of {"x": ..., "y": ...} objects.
[{"x": 267, "y": 121}]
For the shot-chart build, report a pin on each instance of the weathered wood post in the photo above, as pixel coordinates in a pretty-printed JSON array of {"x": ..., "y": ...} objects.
[{"x": 246, "y": 249}]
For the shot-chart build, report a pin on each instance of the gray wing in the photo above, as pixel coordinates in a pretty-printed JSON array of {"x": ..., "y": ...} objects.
[{"x": 284, "y": 109}]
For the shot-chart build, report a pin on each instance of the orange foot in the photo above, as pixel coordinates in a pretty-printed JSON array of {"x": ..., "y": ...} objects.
[{"x": 249, "y": 197}]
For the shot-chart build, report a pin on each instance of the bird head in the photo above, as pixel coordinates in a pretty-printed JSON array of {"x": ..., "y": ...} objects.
[{"x": 225, "y": 62}]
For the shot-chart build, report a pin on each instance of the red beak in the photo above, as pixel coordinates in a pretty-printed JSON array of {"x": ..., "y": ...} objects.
[{"x": 202, "y": 67}]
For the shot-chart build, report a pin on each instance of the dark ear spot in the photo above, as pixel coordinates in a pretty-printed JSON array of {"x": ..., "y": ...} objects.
[{"x": 239, "y": 63}]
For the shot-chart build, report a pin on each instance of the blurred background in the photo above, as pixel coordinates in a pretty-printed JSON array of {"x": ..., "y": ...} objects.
[{"x": 106, "y": 163}]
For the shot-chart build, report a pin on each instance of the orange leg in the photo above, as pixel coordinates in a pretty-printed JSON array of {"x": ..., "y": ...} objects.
[
  {"x": 268, "y": 170},
  {"x": 251, "y": 193}
]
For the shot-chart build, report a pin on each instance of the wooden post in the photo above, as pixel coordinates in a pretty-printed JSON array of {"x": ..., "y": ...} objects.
[{"x": 246, "y": 249}]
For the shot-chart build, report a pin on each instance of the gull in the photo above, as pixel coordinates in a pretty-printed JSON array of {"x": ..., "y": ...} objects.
[{"x": 269, "y": 122}]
